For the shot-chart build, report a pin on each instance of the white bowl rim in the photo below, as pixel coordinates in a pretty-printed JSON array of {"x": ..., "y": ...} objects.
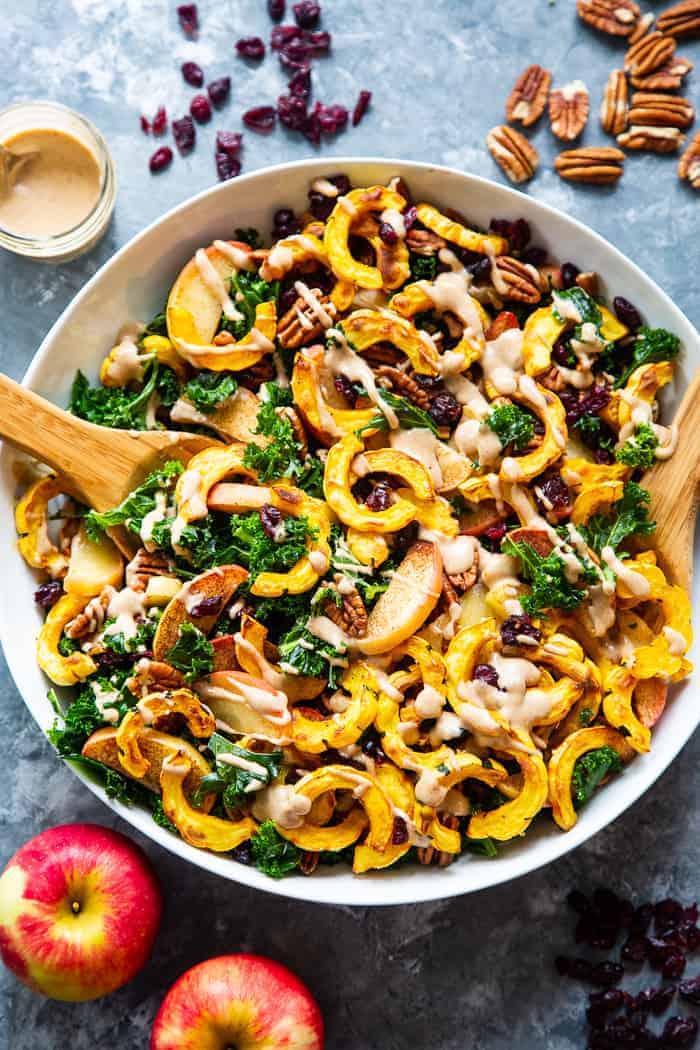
[{"x": 388, "y": 888}]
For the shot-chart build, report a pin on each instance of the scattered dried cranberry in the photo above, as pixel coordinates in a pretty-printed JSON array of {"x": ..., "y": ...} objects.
[
  {"x": 47, "y": 594},
  {"x": 331, "y": 118},
  {"x": 184, "y": 134},
  {"x": 651, "y": 1000},
  {"x": 160, "y": 159},
  {"x": 552, "y": 494},
  {"x": 534, "y": 256},
  {"x": 486, "y": 673},
  {"x": 480, "y": 269},
  {"x": 627, "y": 313},
  {"x": 160, "y": 121},
  {"x": 569, "y": 272},
  {"x": 344, "y": 386},
  {"x": 307, "y": 14},
  {"x": 658, "y": 951},
  {"x": 387, "y": 233},
  {"x": 679, "y": 1032},
  {"x": 189, "y": 21},
  {"x": 600, "y": 1004},
  {"x": 379, "y": 497},
  {"x": 607, "y": 974},
  {"x": 243, "y": 853},
  {"x": 642, "y": 918},
  {"x": 275, "y": 9},
  {"x": 193, "y": 74},
  {"x": 320, "y": 206},
  {"x": 410, "y": 216},
  {"x": 445, "y": 410},
  {"x": 219, "y": 91},
  {"x": 562, "y": 353},
  {"x": 372, "y": 745},
  {"x": 400, "y": 833},
  {"x": 285, "y": 223},
  {"x": 282, "y": 35},
  {"x": 318, "y": 42},
  {"x": 361, "y": 107},
  {"x": 634, "y": 949},
  {"x": 578, "y": 969},
  {"x": 261, "y": 119},
  {"x": 200, "y": 108},
  {"x": 207, "y": 607},
  {"x": 292, "y": 112},
  {"x": 295, "y": 54},
  {"x": 516, "y": 627},
  {"x": 690, "y": 989},
  {"x": 251, "y": 47},
  {"x": 300, "y": 84},
  {"x": 227, "y": 166},
  {"x": 495, "y": 533},
  {"x": 673, "y": 965},
  {"x": 516, "y": 232},
  {"x": 229, "y": 142},
  {"x": 578, "y": 902},
  {"x": 145, "y": 125},
  {"x": 270, "y": 519},
  {"x": 667, "y": 914}
]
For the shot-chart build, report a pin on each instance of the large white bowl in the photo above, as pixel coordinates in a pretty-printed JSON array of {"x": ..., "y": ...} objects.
[{"x": 133, "y": 286}]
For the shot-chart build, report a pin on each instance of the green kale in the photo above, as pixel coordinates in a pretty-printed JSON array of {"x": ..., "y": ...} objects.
[
  {"x": 481, "y": 847},
  {"x": 249, "y": 235},
  {"x": 639, "y": 450},
  {"x": 331, "y": 857},
  {"x": 549, "y": 587},
  {"x": 585, "y": 716},
  {"x": 233, "y": 783},
  {"x": 67, "y": 645},
  {"x": 192, "y": 653},
  {"x": 303, "y": 653},
  {"x": 410, "y": 417},
  {"x": 272, "y": 854},
  {"x": 249, "y": 291},
  {"x": 423, "y": 267},
  {"x": 113, "y": 406},
  {"x": 167, "y": 386},
  {"x": 369, "y": 585},
  {"x": 280, "y": 614},
  {"x": 120, "y": 644},
  {"x": 121, "y": 789},
  {"x": 592, "y": 431},
  {"x": 590, "y": 770},
  {"x": 159, "y": 814},
  {"x": 283, "y": 456},
  {"x": 137, "y": 504},
  {"x": 651, "y": 346},
  {"x": 585, "y": 305},
  {"x": 80, "y": 720},
  {"x": 208, "y": 389},
  {"x": 258, "y": 553},
  {"x": 158, "y": 325},
  {"x": 513, "y": 425},
  {"x": 628, "y": 517}
]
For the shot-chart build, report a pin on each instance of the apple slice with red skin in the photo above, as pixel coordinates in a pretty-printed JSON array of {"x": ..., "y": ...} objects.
[
  {"x": 407, "y": 602},
  {"x": 80, "y": 907},
  {"x": 238, "y": 1001}
]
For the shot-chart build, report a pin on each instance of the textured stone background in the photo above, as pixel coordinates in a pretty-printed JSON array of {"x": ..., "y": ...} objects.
[{"x": 469, "y": 972}]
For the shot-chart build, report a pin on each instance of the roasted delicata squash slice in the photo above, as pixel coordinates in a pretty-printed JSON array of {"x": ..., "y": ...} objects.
[
  {"x": 157, "y": 709},
  {"x": 399, "y": 788},
  {"x": 643, "y": 385},
  {"x": 551, "y": 413},
  {"x": 455, "y": 233},
  {"x": 155, "y": 747},
  {"x": 315, "y": 735},
  {"x": 544, "y": 326},
  {"x": 349, "y": 212},
  {"x": 463, "y": 654},
  {"x": 324, "y": 420},
  {"x": 309, "y": 569},
  {"x": 31, "y": 522},
  {"x": 370, "y": 548},
  {"x": 618, "y": 710},
  {"x": 514, "y": 818},
  {"x": 424, "y": 296},
  {"x": 205, "y": 470},
  {"x": 407, "y": 602},
  {"x": 200, "y": 602},
  {"x": 250, "y": 647},
  {"x": 563, "y": 762},
  {"x": 196, "y": 827},
  {"x": 166, "y": 354},
  {"x": 63, "y": 670},
  {"x": 665, "y": 653},
  {"x": 366, "y": 328},
  {"x": 93, "y": 565}
]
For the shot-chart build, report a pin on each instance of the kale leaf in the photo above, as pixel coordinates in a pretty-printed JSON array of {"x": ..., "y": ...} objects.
[
  {"x": 549, "y": 587},
  {"x": 593, "y": 433},
  {"x": 423, "y": 267},
  {"x": 192, "y": 653},
  {"x": 240, "y": 539},
  {"x": 282, "y": 456},
  {"x": 410, "y": 417},
  {"x": 158, "y": 325},
  {"x": 513, "y": 425},
  {"x": 280, "y": 614},
  {"x": 272, "y": 854},
  {"x": 120, "y": 644},
  {"x": 137, "y": 504},
  {"x": 628, "y": 517},
  {"x": 249, "y": 235},
  {"x": 481, "y": 847},
  {"x": 167, "y": 386},
  {"x": 207, "y": 390},
  {"x": 80, "y": 720},
  {"x": 303, "y": 653},
  {"x": 639, "y": 450},
  {"x": 113, "y": 406},
  {"x": 233, "y": 783},
  {"x": 651, "y": 346},
  {"x": 586, "y": 306},
  {"x": 590, "y": 769},
  {"x": 249, "y": 291}
]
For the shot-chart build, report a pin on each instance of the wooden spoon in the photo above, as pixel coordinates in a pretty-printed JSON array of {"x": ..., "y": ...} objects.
[
  {"x": 100, "y": 466},
  {"x": 675, "y": 492}
]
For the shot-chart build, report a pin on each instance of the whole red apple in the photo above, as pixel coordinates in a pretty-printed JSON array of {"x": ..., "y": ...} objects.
[
  {"x": 79, "y": 911},
  {"x": 238, "y": 1001}
]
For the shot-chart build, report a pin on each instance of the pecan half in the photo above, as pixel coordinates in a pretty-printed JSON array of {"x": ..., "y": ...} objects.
[
  {"x": 649, "y": 53},
  {"x": 528, "y": 98},
  {"x": 519, "y": 279},
  {"x": 461, "y": 582},
  {"x": 351, "y": 616},
  {"x": 424, "y": 242},
  {"x": 689, "y": 164},
  {"x": 91, "y": 618},
  {"x": 308, "y": 862},
  {"x": 153, "y": 676},
  {"x": 589, "y": 282},
  {"x": 599, "y": 165},
  {"x": 568, "y": 110},
  {"x": 143, "y": 565},
  {"x": 642, "y": 27},
  {"x": 301, "y": 324},
  {"x": 613, "y": 110},
  {"x": 617, "y": 17},
  {"x": 405, "y": 385},
  {"x": 513, "y": 153},
  {"x": 650, "y": 107},
  {"x": 668, "y": 77},
  {"x": 651, "y": 138},
  {"x": 682, "y": 19}
]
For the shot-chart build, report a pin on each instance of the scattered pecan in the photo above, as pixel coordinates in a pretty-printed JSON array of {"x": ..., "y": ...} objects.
[
  {"x": 429, "y": 855},
  {"x": 552, "y": 380},
  {"x": 287, "y": 412},
  {"x": 589, "y": 282},
  {"x": 653, "y": 139},
  {"x": 689, "y": 164},
  {"x": 659, "y": 110},
  {"x": 143, "y": 566},
  {"x": 405, "y": 385},
  {"x": 568, "y": 110},
  {"x": 595, "y": 164},
  {"x": 448, "y": 594},
  {"x": 681, "y": 20},
  {"x": 668, "y": 77},
  {"x": 500, "y": 324},
  {"x": 617, "y": 17},
  {"x": 528, "y": 98},
  {"x": 351, "y": 616},
  {"x": 642, "y": 27},
  {"x": 91, "y": 618},
  {"x": 613, "y": 110},
  {"x": 382, "y": 354},
  {"x": 308, "y": 862},
  {"x": 649, "y": 53},
  {"x": 153, "y": 676},
  {"x": 513, "y": 153},
  {"x": 301, "y": 326},
  {"x": 522, "y": 287},
  {"x": 424, "y": 242},
  {"x": 253, "y": 378},
  {"x": 461, "y": 582}
]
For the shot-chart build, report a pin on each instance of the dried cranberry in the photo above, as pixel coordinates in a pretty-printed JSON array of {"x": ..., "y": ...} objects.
[
  {"x": 578, "y": 902},
  {"x": 200, "y": 108},
  {"x": 108, "y": 661},
  {"x": 642, "y": 918},
  {"x": 687, "y": 935},
  {"x": 379, "y": 497},
  {"x": 578, "y": 969},
  {"x": 261, "y": 119},
  {"x": 657, "y": 999},
  {"x": 562, "y": 353},
  {"x": 495, "y": 533},
  {"x": 243, "y": 853},
  {"x": 160, "y": 159},
  {"x": 229, "y": 142},
  {"x": 673, "y": 965},
  {"x": 47, "y": 594},
  {"x": 145, "y": 125},
  {"x": 227, "y": 166},
  {"x": 405, "y": 537},
  {"x": 658, "y": 951},
  {"x": 307, "y": 14},
  {"x": 480, "y": 269},
  {"x": 387, "y": 233},
  {"x": 634, "y": 949},
  {"x": 372, "y": 745},
  {"x": 344, "y": 386},
  {"x": 275, "y": 9},
  {"x": 331, "y": 118},
  {"x": 193, "y": 74},
  {"x": 692, "y": 912},
  {"x": 515, "y": 627},
  {"x": 410, "y": 216},
  {"x": 295, "y": 54},
  {"x": 690, "y": 989},
  {"x": 207, "y": 606},
  {"x": 219, "y": 91},
  {"x": 160, "y": 121},
  {"x": 251, "y": 47},
  {"x": 607, "y": 974},
  {"x": 282, "y": 35},
  {"x": 320, "y": 206},
  {"x": 312, "y": 128},
  {"x": 445, "y": 410},
  {"x": 486, "y": 673},
  {"x": 517, "y": 232},
  {"x": 607, "y": 904},
  {"x": 361, "y": 107},
  {"x": 569, "y": 272},
  {"x": 627, "y": 313},
  {"x": 667, "y": 914},
  {"x": 400, "y": 833},
  {"x": 534, "y": 256},
  {"x": 552, "y": 494},
  {"x": 292, "y": 112},
  {"x": 270, "y": 519},
  {"x": 318, "y": 42},
  {"x": 603, "y": 455},
  {"x": 679, "y": 1032},
  {"x": 600, "y": 1004},
  {"x": 189, "y": 21},
  {"x": 184, "y": 134}
]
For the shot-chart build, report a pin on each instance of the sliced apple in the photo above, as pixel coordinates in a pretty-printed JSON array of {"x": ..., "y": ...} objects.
[
  {"x": 192, "y": 304},
  {"x": 93, "y": 565},
  {"x": 234, "y": 497},
  {"x": 219, "y": 583},
  {"x": 247, "y": 705},
  {"x": 224, "y": 653},
  {"x": 408, "y": 601},
  {"x": 237, "y": 418}
]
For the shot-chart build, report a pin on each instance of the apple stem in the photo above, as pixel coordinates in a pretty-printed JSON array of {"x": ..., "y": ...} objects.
[{"x": 75, "y": 907}]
